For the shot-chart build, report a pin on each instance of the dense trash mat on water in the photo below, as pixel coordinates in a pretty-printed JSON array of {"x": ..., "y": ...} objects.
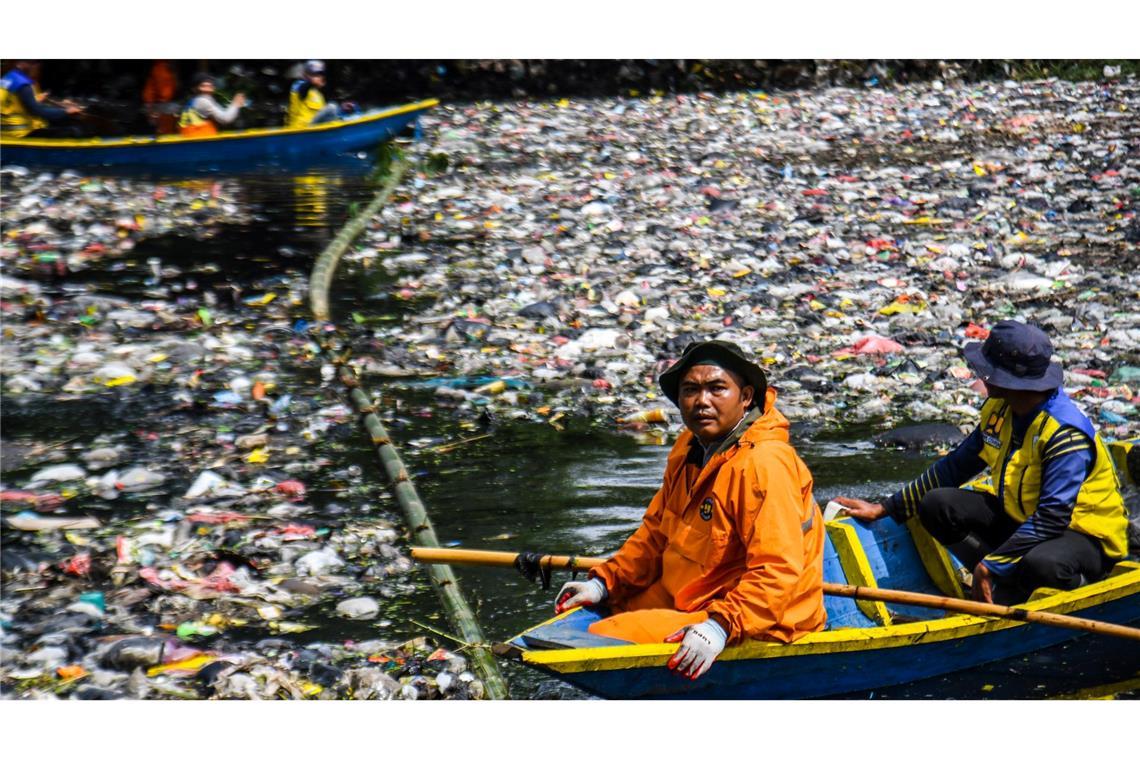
[
  {"x": 180, "y": 520},
  {"x": 853, "y": 239},
  {"x": 174, "y": 524}
]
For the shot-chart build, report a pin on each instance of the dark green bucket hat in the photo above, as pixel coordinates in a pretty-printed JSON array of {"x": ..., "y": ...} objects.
[{"x": 725, "y": 354}]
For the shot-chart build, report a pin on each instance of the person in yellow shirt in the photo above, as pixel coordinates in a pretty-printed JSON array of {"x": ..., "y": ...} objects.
[
  {"x": 202, "y": 115},
  {"x": 306, "y": 101},
  {"x": 25, "y": 111},
  {"x": 1047, "y": 510}
]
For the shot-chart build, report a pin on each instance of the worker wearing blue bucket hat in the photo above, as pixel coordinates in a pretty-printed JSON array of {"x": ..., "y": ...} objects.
[
  {"x": 1016, "y": 357},
  {"x": 307, "y": 104},
  {"x": 1047, "y": 509}
]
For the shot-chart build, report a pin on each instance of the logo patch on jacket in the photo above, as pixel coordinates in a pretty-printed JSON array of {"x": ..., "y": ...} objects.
[
  {"x": 991, "y": 432},
  {"x": 707, "y": 507}
]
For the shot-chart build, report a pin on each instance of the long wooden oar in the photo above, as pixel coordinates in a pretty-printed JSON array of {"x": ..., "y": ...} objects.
[{"x": 556, "y": 562}]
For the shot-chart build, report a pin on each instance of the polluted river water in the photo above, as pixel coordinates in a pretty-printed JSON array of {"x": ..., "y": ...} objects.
[{"x": 492, "y": 477}]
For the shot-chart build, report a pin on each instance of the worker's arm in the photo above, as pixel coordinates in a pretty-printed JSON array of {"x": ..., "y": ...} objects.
[
  {"x": 951, "y": 471},
  {"x": 209, "y": 109},
  {"x": 36, "y": 108}
]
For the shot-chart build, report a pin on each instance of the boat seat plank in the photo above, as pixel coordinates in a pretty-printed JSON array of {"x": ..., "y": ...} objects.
[
  {"x": 893, "y": 561},
  {"x": 842, "y": 611},
  {"x": 856, "y": 567},
  {"x": 941, "y": 566}
]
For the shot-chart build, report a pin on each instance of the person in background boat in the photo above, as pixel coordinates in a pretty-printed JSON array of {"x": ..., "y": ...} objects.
[
  {"x": 731, "y": 547},
  {"x": 158, "y": 98},
  {"x": 26, "y": 112},
  {"x": 202, "y": 115},
  {"x": 1048, "y": 511},
  {"x": 307, "y": 104}
]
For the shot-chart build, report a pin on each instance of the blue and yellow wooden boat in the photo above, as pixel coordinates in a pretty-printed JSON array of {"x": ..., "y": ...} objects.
[
  {"x": 238, "y": 150},
  {"x": 867, "y": 646}
]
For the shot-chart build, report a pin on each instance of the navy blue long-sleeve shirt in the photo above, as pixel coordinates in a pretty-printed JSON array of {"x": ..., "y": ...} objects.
[
  {"x": 1065, "y": 465},
  {"x": 27, "y": 97}
]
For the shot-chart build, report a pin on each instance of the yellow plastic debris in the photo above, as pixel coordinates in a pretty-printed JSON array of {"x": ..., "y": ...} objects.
[
  {"x": 121, "y": 380},
  {"x": 258, "y": 456},
  {"x": 189, "y": 665},
  {"x": 310, "y": 689},
  {"x": 903, "y": 306},
  {"x": 660, "y": 414},
  {"x": 497, "y": 386}
]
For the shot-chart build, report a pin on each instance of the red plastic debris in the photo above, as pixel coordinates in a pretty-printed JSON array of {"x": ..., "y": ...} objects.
[
  {"x": 294, "y": 490},
  {"x": 79, "y": 565},
  {"x": 296, "y": 530},
  {"x": 43, "y": 502},
  {"x": 977, "y": 331},
  {"x": 875, "y": 344}
]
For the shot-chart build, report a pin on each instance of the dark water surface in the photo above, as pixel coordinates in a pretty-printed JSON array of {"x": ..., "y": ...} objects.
[{"x": 526, "y": 486}]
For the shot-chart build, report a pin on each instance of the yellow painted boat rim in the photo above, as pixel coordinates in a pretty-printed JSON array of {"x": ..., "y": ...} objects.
[
  {"x": 141, "y": 140},
  {"x": 1116, "y": 586}
]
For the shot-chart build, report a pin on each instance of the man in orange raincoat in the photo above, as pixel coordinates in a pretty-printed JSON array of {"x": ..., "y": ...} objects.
[
  {"x": 158, "y": 96},
  {"x": 731, "y": 547}
]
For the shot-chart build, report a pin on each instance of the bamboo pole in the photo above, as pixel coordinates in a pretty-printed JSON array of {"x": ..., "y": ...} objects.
[
  {"x": 415, "y": 515},
  {"x": 981, "y": 609},
  {"x": 422, "y": 532},
  {"x": 320, "y": 280}
]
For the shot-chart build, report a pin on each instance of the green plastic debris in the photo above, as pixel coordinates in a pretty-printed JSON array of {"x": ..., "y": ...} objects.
[
  {"x": 95, "y": 599},
  {"x": 1125, "y": 374},
  {"x": 194, "y": 629}
]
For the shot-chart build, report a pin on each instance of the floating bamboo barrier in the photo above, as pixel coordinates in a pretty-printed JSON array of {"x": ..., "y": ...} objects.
[
  {"x": 415, "y": 515},
  {"x": 320, "y": 280}
]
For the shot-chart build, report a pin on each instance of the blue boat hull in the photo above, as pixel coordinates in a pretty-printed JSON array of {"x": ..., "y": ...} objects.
[
  {"x": 868, "y": 647},
  {"x": 860, "y": 671},
  {"x": 230, "y": 151}
]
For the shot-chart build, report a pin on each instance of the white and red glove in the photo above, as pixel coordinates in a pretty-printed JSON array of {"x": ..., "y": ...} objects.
[
  {"x": 579, "y": 594},
  {"x": 701, "y": 644}
]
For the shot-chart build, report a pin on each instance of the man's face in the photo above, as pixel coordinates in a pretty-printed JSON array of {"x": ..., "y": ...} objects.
[
  {"x": 712, "y": 401},
  {"x": 995, "y": 391}
]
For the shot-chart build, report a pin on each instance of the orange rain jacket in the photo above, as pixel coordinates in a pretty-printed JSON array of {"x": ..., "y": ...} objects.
[
  {"x": 741, "y": 538},
  {"x": 160, "y": 90}
]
